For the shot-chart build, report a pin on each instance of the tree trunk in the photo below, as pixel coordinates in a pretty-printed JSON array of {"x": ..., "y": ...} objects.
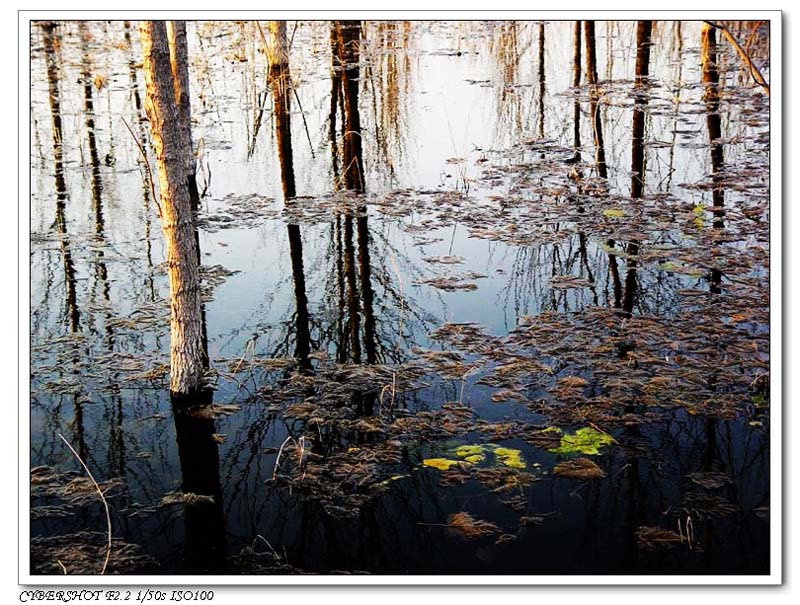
[
  {"x": 280, "y": 80},
  {"x": 188, "y": 359},
  {"x": 53, "y": 79},
  {"x": 179, "y": 62},
  {"x": 541, "y": 79},
  {"x": 643, "y": 31},
  {"x": 594, "y": 98},
  {"x": 576, "y": 82},
  {"x": 348, "y": 58},
  {"x": 352, "y": 291},
  {"x": 708, "y": 58}
]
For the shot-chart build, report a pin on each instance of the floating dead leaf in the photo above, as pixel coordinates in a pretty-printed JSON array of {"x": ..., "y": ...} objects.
[
  {"x": 710, "y": 480},
  {"x": 188, "y": 499},
  {"x": 580, "y": 468},
  {"x": 470, "y": 527},
  {"x": 651, "y": 538}
]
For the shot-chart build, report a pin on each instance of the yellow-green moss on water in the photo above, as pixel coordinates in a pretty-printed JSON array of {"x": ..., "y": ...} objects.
[
  {"x": 465, "y": 451},
  {"x": 441, "y": 463},
  {"x": 509, "y": 457},
  {"x": 475, "y": 454},
  {"x": 586, "y": 441}
]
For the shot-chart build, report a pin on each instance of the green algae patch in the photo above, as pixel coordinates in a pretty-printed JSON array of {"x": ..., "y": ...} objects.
[
  {"x": 613, "y": 213},
  {"x": 509, "y": 457},
  {"x": 466, "y": 451},
  {"x": 475, "y": 454},
  {"x": 472, "y": 454},
  {"x": 440, "y": 463},
  {"x": 699, "y": 215},
  {"x": 586, "y": 441}
]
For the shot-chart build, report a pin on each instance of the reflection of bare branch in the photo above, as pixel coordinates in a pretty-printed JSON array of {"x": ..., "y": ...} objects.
[{"x": 755, "y": 73}]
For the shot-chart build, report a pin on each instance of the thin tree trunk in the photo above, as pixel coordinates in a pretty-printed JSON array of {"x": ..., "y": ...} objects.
[
  {"x": 303, "y": 343},
  {"x": 594, "y": 98},
  {"x": 710, "y": 75},
  {"x": 53, "y": 79},
  {"x": 576, "y": 82},
  {"x": 336, "y": 85},
  {"x": 643, "y": 32},
  {"x": 280, "y": 80},
  {"x": 348, "y": 53},
  {"x": 352, "y": 291},
  {"x": 179, "y": 61},
  {"x": 541, "y": 79},
  {"x": 367, "y": 295},
  {"x": 188, "y": 359},
  {"x": 101, "y": 271}
]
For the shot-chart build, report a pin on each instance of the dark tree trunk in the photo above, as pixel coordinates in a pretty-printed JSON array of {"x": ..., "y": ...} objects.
[
  {"x": 205, "y": 543},
  {"x": 576, "y": 82},
  {"x": 53, "y": 82},
  {"x": 349, "y": 39},
  {"x": 541, "y": 79},
  {"x": 710, "y": 70},
  {"x": 643, "y": 32},
  {"x": 594, "y": 98}
]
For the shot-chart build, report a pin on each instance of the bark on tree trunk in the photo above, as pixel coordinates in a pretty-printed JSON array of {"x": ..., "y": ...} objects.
[
  {"x": 188, "y": 359},
  {"x": 179, "y": 62},
  {"x": 280, "y": 80}
]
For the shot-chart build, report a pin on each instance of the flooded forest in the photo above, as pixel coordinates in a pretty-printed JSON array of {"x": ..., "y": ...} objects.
[{"x": 402, "y": 297}]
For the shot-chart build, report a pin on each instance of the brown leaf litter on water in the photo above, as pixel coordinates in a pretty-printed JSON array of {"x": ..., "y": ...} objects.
[
  {"x": 580, "y": 468},
  {"x": 83, "y": 553},
  {"x": 468, "y": 526},
  {"x": 652, "y": 538}
]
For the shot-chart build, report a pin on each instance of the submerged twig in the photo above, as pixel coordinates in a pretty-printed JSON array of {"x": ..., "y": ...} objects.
[
  {"x": 102, "y": 497},
  {"x": 146, "y": 166}
]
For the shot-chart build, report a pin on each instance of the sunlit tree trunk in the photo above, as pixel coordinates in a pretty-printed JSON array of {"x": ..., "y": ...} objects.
[
  {"x": 280, "y": 80},
  {"x": 594, "y": 98},
  {"x": 188, "y": 359},
  {"x": 179, "y": 62}
]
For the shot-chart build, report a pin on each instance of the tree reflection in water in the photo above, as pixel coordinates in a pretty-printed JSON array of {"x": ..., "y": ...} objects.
[{"x": 489, "y": 156}]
